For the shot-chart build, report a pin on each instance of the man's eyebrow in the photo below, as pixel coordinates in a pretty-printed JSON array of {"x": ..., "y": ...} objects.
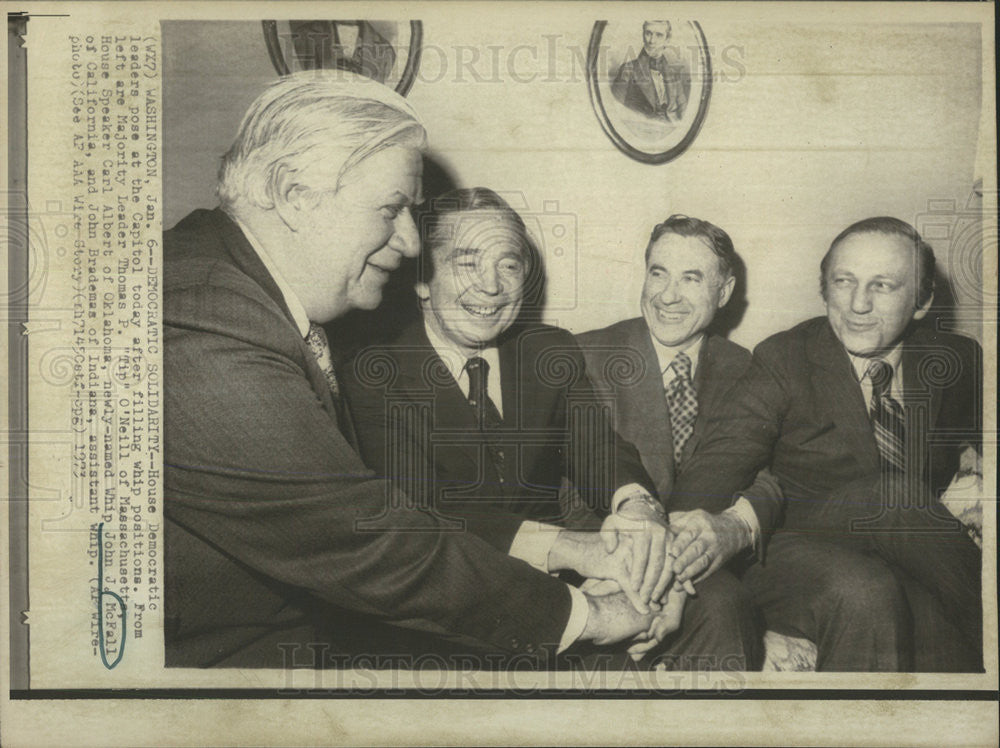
[
  {"x": 694, "y": 271},
  {"x": 464, "y": 251}
]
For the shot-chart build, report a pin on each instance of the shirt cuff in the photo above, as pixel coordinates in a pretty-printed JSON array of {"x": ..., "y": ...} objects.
[
  {"x": 577, "y": 619},
  {"x": 744, "y": 510},
  {"x": 630, "y": 491},
  {"x": 533, "y": 542}
]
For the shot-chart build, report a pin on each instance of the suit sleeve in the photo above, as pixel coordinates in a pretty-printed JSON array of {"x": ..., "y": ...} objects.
[
  {"x": 257, "y": 469},
  {"x": 738, "y": 443}
]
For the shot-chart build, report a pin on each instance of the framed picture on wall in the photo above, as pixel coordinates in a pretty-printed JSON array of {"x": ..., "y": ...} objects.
[
  {"x": 650, "y": 82},
  {"x": 386, "y": 51}
]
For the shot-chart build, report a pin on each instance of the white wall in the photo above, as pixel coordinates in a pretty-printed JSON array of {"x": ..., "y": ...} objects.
[{"x": 827, "y": 123}]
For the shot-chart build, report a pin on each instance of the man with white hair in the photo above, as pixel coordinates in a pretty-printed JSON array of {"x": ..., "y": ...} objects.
[{"x": 281, "y": 549}]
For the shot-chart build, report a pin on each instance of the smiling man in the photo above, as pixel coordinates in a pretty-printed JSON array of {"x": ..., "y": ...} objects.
[
  {"x": 683, "y": 374},
  {"x": 485, "y": 380},
  {"x": 863, "y": 417},
  {"x": 266, "y": 563}
]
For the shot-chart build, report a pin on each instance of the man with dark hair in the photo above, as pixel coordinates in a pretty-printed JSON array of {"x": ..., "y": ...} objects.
[
  {"x": 657, "y": 82},
  {"x": 863, "y": 417},
  {"x": 484, "y": 416},
  {"x": 663, "y": 374}
]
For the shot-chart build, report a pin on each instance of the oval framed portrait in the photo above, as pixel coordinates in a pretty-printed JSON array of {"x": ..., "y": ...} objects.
[
  {"x": 650, "y": 83},
  {"x": 385, "y": 51}
]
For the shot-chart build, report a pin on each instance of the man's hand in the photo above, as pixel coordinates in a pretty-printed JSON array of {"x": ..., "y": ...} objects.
[
  {"x": 705, "y": 542},
  {"x": 667, "y": 621},
  {"x": 612, "y": 618},
  {"x": 586, "y": 554},
  {"x": 639, "y": 522}
]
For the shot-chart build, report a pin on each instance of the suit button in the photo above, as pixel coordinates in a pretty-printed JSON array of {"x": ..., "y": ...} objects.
[
  {"x": 529, "y": 647},
  {"x": 515, "y": 644}
]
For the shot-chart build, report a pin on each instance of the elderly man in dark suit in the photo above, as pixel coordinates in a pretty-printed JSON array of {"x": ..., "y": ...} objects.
[
  {"x": 862, "y": 416},
  {"x": 282, "y": 549},
  {"x": 657, "y": 82},
  {"x": 500, "y": 469}
]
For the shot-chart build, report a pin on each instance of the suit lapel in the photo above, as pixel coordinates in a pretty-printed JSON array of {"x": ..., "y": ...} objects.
[
  {"x": 918, "y": 392},
  {"x": 712, "y": 378},
  {"x": 513, "y": 371},
  {"x": 648, "y": 410},
  {"x": 423, "y": 371},
  {"x": 838, "y": 395},
  {"x": 246, "y": 259},
  {"x": 243, "y": 255}
]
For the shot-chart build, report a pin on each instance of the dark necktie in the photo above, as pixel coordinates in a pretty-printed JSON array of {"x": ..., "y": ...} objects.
[
  {"x": 683, "y": 404},
  {"x": 487, "y": 415},
  {"x": 888, "y": 422}
]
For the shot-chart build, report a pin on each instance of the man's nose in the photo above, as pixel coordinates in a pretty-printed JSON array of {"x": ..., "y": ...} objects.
[
  {"x": 405, "y": 238},
  {"x": 861, "y": 300},
  {"x": 489, "y": 280},
  {"x": 670, "y": 292}
]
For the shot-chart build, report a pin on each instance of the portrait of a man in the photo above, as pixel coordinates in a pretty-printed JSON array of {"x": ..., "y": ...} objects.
[{"x": 657, "y": 82}]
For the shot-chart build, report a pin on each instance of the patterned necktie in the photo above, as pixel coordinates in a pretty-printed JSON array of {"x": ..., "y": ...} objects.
[
  {"x": 887, "y": 417},
  {"x": 683, "y": 404},
  {"x": 487, "y": 415},
  {"x": 320, "y": 347}
]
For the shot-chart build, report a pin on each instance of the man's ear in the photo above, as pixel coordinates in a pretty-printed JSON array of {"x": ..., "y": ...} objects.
[
  {"x": 921, "y": 311},
  {"x": 726, "y": 292},
  {"x": 289, "y": 197}
]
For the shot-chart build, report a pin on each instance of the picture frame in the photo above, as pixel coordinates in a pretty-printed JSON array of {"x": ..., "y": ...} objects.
[
  {"x": 385, "y": 51},
  {"x": 651, "y": 106}
]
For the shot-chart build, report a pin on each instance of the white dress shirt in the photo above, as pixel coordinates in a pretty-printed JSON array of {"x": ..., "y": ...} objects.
[{"x": 895, "y": 359}]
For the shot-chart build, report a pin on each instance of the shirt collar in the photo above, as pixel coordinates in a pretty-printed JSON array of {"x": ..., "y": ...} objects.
[
  {"x": 454, "y": 358},
  {"x": 299, "y": 315},
  {"x": 893, "y": 357},
  {"x": 666, "y": 356}
]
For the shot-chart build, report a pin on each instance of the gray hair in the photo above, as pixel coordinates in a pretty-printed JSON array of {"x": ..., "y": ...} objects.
[{"x": 308, "y": 120}]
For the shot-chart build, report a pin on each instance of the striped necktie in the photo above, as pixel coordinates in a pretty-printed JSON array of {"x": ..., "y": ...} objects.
[
  {"x": 683, "y": 404},
  {"x": 320, "y": 347},
  {"x": 888, "y": 422}
]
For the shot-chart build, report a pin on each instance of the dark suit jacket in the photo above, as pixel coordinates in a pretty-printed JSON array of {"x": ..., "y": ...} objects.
[
  {"x": 552, "y": 428},
  {"x": 265, "y": 500},
  {"x": 633, "y": 87},
  {"x": 800, "y": 409},
  {"x": 624, "y": 368}
]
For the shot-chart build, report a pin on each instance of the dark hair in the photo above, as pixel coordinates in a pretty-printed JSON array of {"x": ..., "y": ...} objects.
[
  {"x": 435, "y": 229},
  {"x": 891, "y": 227},
  {"x": 716, "y": 239}
]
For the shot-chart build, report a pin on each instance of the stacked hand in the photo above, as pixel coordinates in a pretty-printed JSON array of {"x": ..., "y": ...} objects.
[
  {"x": 705, "y": 542},
  {"x": 613, "y": 619},
  {"x": 651, "y": 543}
]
